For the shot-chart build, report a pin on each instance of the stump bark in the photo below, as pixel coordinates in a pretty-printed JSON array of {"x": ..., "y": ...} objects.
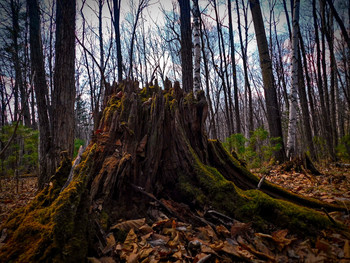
[{"x": 150, "y": 145}]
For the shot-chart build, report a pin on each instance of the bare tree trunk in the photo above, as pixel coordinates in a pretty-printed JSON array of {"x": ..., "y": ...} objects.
[
  {"x": 328, "y": 123},
  {"x": 292, "y": 125},
  {"x": 340, "y": 21},
  {"x": 102, "y": 60},
  {"x": 197, "y": 48},
  {"x": 64, "y": 80},
  {"x": 245, "y": 68},
  {"x": 222, "y": 72},
  {"x": 308, "y": 83},
  {"x": 319, "y": 73},
  {"x": 19, "y": 83},
  {"x": 212, "y": 126},
  {"x": 46, "y": 161},
  {"x": 116, "y": 11},
  {"x": 234, "y": 72},
  {"x": 273, "y": 114},
  {"x": 333, "y": 76},
  {"x": 186, "y": 45}
]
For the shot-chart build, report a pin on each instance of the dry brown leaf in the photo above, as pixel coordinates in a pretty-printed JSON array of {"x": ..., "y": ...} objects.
[
  {"x": 145, "y": 252},
  {"x": 130, "y": 240},
  {"x": 323, "y": 245},
  {"x": 145, "y": 229},
  {"x": 239, "y": 228},
  {"x": 107, "y": 260},
  {"x": 280, "y": 238},
  {"x": 177, "y": 255},
  {"x": 207, "y": 234},
  {"x": 347, "y": 249},
  {"x": 258, "y": 253},
  {"x": 222, "y": 230},
  {"x": 130, "y": 224},
  {"x": 132, "y": 258},
  {"x": 110, "y": 243},
  {"x": 174, "y": 242},
  {"x": 229, "y": 249}
]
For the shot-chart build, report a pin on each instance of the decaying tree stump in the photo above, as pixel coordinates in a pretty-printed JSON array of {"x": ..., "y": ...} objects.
[{"x": 151, "y": 144}]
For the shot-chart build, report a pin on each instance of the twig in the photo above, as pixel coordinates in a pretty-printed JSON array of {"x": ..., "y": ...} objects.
[
  {"x": 330, "y": 218},
  {"x": 261, "y": 182}
]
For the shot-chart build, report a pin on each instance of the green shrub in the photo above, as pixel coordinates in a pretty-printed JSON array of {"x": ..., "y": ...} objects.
[
  {"x": 22, "y": 154},
  {"x": 343, "y": 148},
  {"x": 256, "y": 150},
  {"x": 77, "y": 143}
]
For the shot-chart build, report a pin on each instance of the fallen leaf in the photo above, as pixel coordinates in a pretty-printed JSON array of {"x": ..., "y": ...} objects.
[
  {"x": 130, "y": 224},
  {"x": 347, "y": 249},
  {"x": 239, "y": 228},
  {"x": 220, "y": 229}
]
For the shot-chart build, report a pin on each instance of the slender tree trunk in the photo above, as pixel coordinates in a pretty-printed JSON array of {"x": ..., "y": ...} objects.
[
  {"x": 292, "y": 125},
  {"x": 64, "y": 81},
  {"x": 197, "y": 48},
  {"x": 102, "y": 60},
  {"x": 46, "y": 162},
  {"x": 212, "y": 126},
  {"x": 340, "y": 21},
  {"x": 116, "y": 10},
  {"x": 245, "y": 69},
  {"x": 333, "y": 76},
  {"x": 222, "y": 71},
  {"x": 273, "y": 114},
  {"x": 319, "y": 73},
  {"x": 308, "y": 83},
  {"x": 234, "y": 72},
  {"x": 186, "y": 45},
  {"x": 328, "y": 127}
]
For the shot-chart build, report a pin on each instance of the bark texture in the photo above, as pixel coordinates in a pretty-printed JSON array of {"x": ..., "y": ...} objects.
[
  {"x": 46, "y": 160},
  {"x": 64, "y": 82},
  {"x": 197, "y": 47},
  {"x": 292, "y": 125},
  {"x": 186, "y": 45}
]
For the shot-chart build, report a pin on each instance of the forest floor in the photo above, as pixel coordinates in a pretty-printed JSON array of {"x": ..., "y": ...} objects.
[{"x": 168, "y": 239}]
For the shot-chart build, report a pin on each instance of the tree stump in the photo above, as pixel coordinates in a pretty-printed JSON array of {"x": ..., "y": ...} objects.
[{"x": 150, "y": 145}]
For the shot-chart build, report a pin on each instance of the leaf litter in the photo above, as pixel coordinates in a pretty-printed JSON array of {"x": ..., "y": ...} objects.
[{"x": 170, "y": 240}]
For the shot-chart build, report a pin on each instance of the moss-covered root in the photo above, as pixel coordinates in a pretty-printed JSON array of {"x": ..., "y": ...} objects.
[
  {"x": 54, "y": 226},
  {"x": 232, "y": 170},
  {"x": 209, "y": 187}
]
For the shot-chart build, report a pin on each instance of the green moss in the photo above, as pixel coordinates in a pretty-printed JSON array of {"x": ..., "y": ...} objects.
[
  {"x": 189, "y": 99},
  {"x": 211, "y": 188},
  {"x": 147, "y": 92},
  {"x": 53, "y": 226}
]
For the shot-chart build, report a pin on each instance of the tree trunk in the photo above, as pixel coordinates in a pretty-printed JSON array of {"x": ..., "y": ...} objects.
[
  {"x": 197, "y": 48},
  {"x": 234, "y": 72},
  {"x": 292, "y": 125},
  {"x": 273, "y": 114},
  {"x": 155, "y": 143},
  {"x": 186, "y": 45},
  {"x": 319, "y": 74},
  {"x": 116, "y": 10},
  {"x": 248, "y": 89},
  {"x": 63, "y": 96},
  {"x": 46, "y": 160}
]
